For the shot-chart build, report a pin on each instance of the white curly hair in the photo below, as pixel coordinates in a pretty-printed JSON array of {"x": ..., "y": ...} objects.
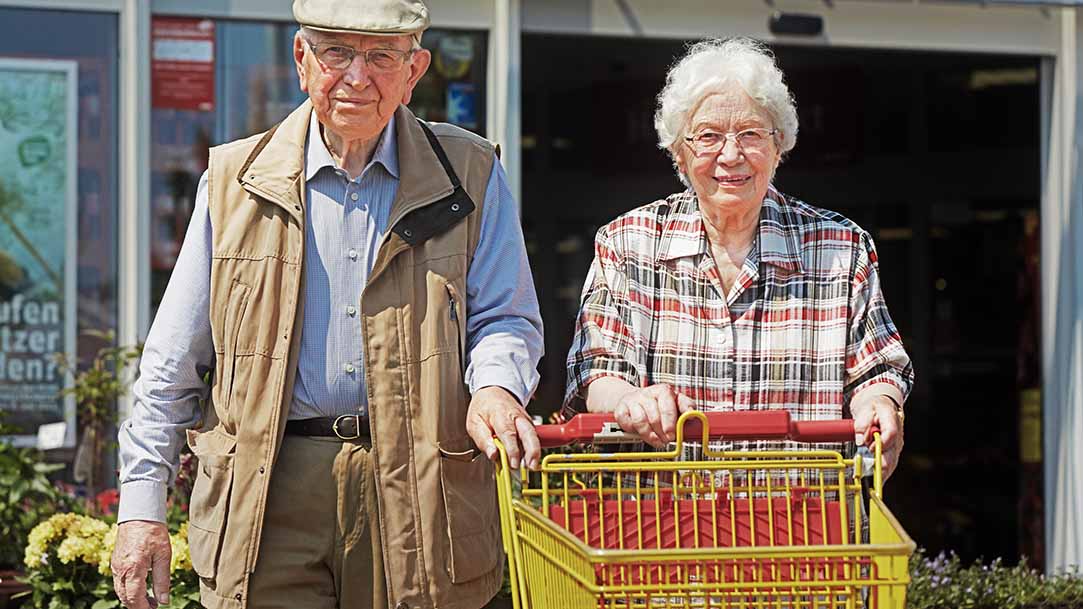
[{"x": 713, "y": 66}]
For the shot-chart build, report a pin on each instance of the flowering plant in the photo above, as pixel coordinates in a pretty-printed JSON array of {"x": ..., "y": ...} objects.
[
  {"x": 26, "y": 496},
  {"x": 67, "y": 562},
  {"x": 942, "y": 582}
]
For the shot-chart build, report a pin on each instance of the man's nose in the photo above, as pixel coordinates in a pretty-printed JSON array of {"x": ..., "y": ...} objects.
[{"x": 357, "y": 72}]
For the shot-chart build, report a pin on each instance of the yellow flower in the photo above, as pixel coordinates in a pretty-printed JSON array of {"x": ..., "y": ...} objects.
[
  {"x": 40, "y": 536},
  {"x": 83, "y": 541},
  {"x": 106, "y": 553},
  {"x": 80, "y": 538},
  {"x": 182, "y": 558}
]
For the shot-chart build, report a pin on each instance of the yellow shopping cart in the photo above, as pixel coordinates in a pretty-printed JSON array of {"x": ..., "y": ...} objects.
[{"x": 755, "y": 530}]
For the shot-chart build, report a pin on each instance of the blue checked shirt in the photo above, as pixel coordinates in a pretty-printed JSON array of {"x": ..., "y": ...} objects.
[{"x": 346, "y": 222}]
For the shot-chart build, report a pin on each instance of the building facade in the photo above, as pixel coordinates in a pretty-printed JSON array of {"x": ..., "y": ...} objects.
[{"x": 950, "y": 130}]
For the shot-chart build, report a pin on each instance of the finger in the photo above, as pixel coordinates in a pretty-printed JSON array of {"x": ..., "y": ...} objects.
[
  {"x": 685, "y": 403},
  {"x": 888, "y": 420},
  {"x": 891, "y": 461},
  {"x": 623, "y": 415},
  {"x": 482, "y": 435},
  {"x": 653, "y": 411},
  {"x": 135, "y": 589},
  {"x": 528, "y": 439},
  {"x": 641, "y": 425},
  {"x": 667, "y": 414},
  {"x": 118, "y": 586},
  {"x": 159, "y": 573},
  {"x": 118, "y": 583},
  {"x": 503, "y": 424},
  {"x": 863, "y": 419}
]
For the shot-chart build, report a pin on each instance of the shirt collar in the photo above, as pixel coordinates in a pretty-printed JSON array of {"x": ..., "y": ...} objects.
[
  {"x": 684, "y": 235},
  {"x": 318, "y": 156},
  {"x": 779, "y": 233}
]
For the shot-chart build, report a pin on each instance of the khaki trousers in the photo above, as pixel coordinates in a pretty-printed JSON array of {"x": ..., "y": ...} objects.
[{"x": 321, "y": 537}]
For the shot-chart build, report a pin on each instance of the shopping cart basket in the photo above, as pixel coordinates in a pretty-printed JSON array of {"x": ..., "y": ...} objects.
[{"x": 754, "y": 529}]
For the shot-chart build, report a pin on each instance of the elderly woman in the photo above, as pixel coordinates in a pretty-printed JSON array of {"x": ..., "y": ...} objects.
[{"x": 730, "y": 295}]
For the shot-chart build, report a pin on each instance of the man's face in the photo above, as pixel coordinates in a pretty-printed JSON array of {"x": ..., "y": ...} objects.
[{"x": 356, "y": 101}]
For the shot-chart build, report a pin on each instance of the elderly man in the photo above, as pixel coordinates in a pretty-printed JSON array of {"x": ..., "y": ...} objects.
[{"x": 356, "y": 283}]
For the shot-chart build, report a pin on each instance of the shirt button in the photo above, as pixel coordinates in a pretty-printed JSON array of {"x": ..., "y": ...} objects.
[
  {"x": 348, "y": 368},
  {"x": 353, "y": 196},
  {"x": 352, "y": 254},
  {"x": 350, "y": 310}
]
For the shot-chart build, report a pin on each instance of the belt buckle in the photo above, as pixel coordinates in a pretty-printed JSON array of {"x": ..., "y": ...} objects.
[{"x": 357, "y": 427}]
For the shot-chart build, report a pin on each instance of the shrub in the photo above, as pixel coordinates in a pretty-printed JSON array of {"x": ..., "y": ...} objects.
[
  {"x": 67, "y": 563},
  {"x": 942, "y": 582},
  {"x": 27, "y": 497}
]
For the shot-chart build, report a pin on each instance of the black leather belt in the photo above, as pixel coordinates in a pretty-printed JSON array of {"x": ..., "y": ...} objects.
[{"x": 345, "y": 427}]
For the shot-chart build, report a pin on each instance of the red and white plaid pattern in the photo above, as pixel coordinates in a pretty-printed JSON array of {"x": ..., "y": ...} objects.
[{"x": 804, "y": 327}]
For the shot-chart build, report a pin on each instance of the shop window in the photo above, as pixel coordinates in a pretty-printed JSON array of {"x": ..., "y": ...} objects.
[{"x": 58, "y": 202}]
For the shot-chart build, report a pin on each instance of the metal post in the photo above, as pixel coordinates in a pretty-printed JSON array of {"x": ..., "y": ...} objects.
[
  {"x": 1062, "y": 298},
  {"x": 133, "y": 288},
  {"x": 504, "y": 86}
]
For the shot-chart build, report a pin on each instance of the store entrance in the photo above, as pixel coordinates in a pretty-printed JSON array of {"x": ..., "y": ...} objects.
[{"x": 936, "y": 154}]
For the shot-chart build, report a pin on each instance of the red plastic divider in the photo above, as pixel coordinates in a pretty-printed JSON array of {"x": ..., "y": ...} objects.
[{"x": 753, "y": 425}]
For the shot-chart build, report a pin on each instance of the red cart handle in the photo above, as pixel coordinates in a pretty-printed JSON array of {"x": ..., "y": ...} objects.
[{"x": 756, "y": 425}]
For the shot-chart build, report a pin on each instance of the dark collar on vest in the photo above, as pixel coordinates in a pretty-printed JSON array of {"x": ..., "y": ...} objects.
[{"x": 430, "y": 197}]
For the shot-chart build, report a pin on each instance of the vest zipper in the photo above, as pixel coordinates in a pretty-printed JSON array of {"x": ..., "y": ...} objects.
[{"x": 453, "y": 315}]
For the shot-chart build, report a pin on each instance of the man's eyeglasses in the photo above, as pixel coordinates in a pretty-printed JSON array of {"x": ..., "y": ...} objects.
[
  {"x": 757, "y": 139},
  {"x": 339, "y": 57}
]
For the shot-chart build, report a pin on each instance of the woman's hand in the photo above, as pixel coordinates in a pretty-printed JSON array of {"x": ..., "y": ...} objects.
[
  {"x": 651, "y": 412},
  {"x": 879, "y": 410}
]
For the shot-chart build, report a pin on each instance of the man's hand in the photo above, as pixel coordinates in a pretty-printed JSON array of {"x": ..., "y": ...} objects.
[
  {"x": 879, "y": 411},
  {"x": 495, "y": 412},
  {"x": 652, "y": 412},
  {"x": 141, "y": 546}
]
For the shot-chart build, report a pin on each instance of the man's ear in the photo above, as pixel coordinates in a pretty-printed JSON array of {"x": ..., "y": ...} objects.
[
  {"x": 418, "y": 66},
  {"x": 299, "y": 60}
]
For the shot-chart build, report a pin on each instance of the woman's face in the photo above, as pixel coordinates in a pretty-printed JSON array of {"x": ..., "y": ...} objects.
[{"x": 734, "y": 178}]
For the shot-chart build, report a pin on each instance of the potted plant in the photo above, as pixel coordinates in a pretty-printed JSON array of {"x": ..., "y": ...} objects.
[
  {"x": 27, "y": 496},
  {"x": 96, "y": 389}
]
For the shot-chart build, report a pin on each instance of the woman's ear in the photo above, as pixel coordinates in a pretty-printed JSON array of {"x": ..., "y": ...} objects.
[{"x": 679, "y": 161}]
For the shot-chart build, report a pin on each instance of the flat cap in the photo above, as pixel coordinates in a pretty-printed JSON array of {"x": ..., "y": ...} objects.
[{"x": 379, "y": 17}]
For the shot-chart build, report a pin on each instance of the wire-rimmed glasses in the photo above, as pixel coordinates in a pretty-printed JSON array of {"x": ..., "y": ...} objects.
[{"x": 756, "y": 139}]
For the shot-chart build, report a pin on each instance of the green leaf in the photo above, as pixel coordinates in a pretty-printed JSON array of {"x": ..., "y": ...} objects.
[{"x": 105, "y": 603}]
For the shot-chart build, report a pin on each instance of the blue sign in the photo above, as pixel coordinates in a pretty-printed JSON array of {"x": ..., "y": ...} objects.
[{"x": 462, "y": 105}]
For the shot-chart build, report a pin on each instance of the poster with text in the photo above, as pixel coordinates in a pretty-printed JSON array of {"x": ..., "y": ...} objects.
[{"x": 37, "y": 242}]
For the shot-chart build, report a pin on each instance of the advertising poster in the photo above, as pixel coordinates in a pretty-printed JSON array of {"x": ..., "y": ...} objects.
[
  {"x": 37, "y": 242},
  {"x": 182, "y": 63}
]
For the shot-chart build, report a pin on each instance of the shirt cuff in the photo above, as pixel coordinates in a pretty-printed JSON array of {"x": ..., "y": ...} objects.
[
  {"x": 498, "y": 375},
  {"x": 142, "y": 500}
]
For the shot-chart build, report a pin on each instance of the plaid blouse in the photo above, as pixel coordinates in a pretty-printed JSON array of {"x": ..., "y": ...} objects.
[{"x": 803, "y": 328}]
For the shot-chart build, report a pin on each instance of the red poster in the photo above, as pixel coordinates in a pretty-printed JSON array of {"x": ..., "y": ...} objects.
[{"x": 182, "y": 63}]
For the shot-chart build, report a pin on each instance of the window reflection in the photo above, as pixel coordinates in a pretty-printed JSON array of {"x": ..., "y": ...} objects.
[{"x": 90, "y": 40}]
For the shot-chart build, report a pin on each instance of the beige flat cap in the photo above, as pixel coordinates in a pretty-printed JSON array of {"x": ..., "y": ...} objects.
[{"x": 379, "y": 17}]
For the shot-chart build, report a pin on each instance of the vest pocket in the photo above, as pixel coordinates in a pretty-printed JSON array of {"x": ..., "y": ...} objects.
[
  {"x": 209, "y": 505},
  {"x": 473, "y": 526},
  {"x": 453, "y": 314},
  {"x": 238, "y": 302}
]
